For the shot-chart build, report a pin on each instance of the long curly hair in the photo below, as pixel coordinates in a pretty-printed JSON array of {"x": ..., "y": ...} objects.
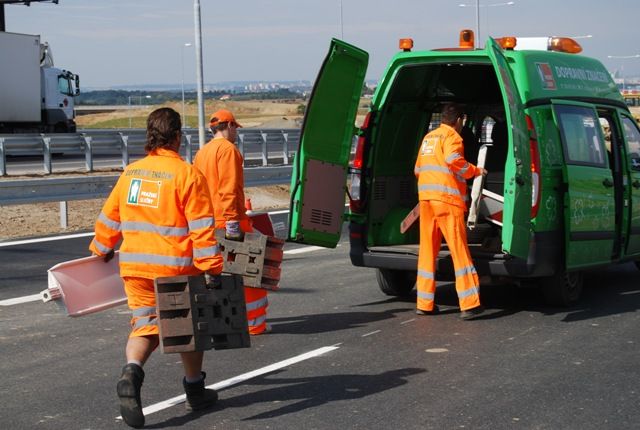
[{"x": 162, "y": 127}]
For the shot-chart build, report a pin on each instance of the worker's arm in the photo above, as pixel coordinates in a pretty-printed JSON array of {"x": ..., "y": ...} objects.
[
  {"x": 107, "y": 227},
  {"x": 199, "y": 213},
  {"x": 230, "y": 190},
  {"x": 454, "y": 157}
]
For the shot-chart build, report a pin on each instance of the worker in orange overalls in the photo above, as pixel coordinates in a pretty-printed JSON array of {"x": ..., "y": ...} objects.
[
  {"x": 222, "y": 164},
  {"x": 442, "y": 172},
  {"x": 160, "y": 208}
]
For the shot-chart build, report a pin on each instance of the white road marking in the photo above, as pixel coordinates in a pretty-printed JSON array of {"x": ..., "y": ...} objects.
[
  {"x": 45, "y": 239},
  {"x": 240, "y": 378},
  {"x": 370, "y": 333},
  {"x": 303, "y": 250},
  {"x": 19, "y": 300},
  {"x": 407, "y": 321}
]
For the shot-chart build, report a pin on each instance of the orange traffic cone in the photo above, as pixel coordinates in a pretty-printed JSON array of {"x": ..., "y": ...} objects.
[{"x": 247, "y": 205}]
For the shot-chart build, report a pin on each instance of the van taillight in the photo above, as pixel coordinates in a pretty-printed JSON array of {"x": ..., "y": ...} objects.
[
  {"x": 535, "y": 168},
  {"x": 356, "y": 169}
]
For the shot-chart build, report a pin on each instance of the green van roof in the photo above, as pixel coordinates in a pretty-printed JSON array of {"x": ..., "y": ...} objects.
[{"x": 539, "y": 75}]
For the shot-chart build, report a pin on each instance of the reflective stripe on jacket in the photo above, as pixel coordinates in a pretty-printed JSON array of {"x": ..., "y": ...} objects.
[
  {"x": 441, "y": 168},
  {"x": 160, "y": 208},
  {"x": 221, "y": 163}
]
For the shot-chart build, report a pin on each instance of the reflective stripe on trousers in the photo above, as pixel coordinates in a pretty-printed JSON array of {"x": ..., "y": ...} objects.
[{"x": 438, "y": 219}]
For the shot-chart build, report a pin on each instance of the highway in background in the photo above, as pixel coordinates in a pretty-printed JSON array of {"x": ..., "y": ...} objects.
[{"x": 342, "y": 356}]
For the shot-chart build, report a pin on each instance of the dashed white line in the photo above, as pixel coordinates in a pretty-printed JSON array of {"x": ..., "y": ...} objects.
[
  {"x": 407, "y": 321},
  {"x": 241, "y": 378},
  {"x": 303, "y": 250},
  {"x": 371, "y": 333}
]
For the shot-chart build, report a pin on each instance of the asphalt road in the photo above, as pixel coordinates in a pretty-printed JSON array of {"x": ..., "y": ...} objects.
[{"x": 371, "y": 363}]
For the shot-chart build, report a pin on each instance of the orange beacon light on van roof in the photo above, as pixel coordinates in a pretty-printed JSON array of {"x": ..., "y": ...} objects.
[
  {"x": 406, "y": 44},
  {"x": 508, "y": 42},
  {"x": 467, "y": 39}
]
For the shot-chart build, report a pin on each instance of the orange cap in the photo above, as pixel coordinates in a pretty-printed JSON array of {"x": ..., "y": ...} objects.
[{"x": 222, "y": 115}]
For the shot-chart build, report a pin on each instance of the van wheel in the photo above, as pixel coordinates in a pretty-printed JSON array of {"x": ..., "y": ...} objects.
[
  {"x": 637, "y": 264},
  {"x": 562, "y": 289},
  {"x": 396, "y": 282}
]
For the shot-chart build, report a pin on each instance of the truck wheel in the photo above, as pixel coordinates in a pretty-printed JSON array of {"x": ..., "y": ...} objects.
[
  {"x": 396, "y": 282},
  {"x": 562, "y": 289},
  {"x": 637, "y": 264}
]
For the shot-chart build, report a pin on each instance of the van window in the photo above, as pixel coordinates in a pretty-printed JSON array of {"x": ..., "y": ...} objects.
[
  {"x": 581, "y": 136},
  {"x": 632, "y": 136}
]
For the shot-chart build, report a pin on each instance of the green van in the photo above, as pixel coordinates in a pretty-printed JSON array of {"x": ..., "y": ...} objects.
[{"x": 563, "y": 155}]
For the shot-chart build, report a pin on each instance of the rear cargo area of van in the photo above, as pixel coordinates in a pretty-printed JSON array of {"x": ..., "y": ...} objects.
[{"x": 410, "y": 110}]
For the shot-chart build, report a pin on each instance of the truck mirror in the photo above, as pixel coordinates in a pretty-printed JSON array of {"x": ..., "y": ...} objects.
[{"x": 77, "y": 85}]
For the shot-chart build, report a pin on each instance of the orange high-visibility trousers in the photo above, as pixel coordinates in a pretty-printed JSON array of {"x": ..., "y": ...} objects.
[
  {"x": 256, "y": 299},
  {"x": 141, "y": 299},
  {"x": 438, "y": 219}
]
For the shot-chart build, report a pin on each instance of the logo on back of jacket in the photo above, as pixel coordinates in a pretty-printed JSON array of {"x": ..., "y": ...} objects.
[
  {"x": 144, "y": 193},
  {"x": 429, "y": 145}
]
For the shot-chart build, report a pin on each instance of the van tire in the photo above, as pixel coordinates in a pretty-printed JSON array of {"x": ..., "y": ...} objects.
[
  {"x": 396, "y": 282},
  {"x": 562, "y": 289}
]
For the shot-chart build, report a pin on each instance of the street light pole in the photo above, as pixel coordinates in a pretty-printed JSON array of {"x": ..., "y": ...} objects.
[
  {"x": 184, "y": 118},
  {"x": 199, "y": 71},
  {"x": 623, "y": 57},
  {"x": 478, "y": 38},
  {"x": 129, "y": 110},
  {"x": 341, "y": 25}
]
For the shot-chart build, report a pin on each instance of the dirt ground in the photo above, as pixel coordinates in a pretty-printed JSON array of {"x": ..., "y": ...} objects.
[{"x": 24, "y": 221}]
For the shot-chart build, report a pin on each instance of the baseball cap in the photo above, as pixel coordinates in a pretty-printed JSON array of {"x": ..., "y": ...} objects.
[{"x": 222, "y": 115}]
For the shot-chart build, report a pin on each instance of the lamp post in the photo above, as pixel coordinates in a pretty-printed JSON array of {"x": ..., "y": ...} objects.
[
  {"x": 623, "y": 57},
  {"x": 139, "y": 104},
  {"x": 341, "y": 25},
  {"x": 184, "y": 118},
  {"x": 129, "y": 110},
  {"x": 478, "y": 6}
]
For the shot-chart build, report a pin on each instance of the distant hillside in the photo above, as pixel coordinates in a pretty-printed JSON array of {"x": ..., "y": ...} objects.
[{"x": 122, "y": 97}]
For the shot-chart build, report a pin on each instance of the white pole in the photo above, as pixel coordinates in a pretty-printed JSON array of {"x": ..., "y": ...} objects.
[
  {"x": 184, "y": 118},
  {"x": 478, "y": 24},
  {"x": 129, "y": 109},
  {"x": 199, "y": 72},
  {"x": 341, "y": 24}
]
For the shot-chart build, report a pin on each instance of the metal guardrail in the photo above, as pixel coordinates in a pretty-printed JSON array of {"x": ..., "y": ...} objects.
[
  {"x": 26, "y": 191},
  {"x": 263, "y": 145}
]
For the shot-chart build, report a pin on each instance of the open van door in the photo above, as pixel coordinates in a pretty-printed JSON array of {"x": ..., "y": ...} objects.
[
  {"x": 516, "y": 219},
  {"x": 589, "y": 200},
  {"x": 318, "y": 182}
]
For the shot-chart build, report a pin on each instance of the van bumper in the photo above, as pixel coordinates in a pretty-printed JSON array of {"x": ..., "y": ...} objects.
[{"x": 545, "y": 255}]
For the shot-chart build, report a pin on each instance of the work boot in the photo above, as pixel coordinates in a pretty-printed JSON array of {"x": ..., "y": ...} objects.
[
  {"x": 129, "y": 393},
  {"x": 470, "y": 314},
  {"x": 198, "y": 397},
  {"x": 434, "y": 311}
]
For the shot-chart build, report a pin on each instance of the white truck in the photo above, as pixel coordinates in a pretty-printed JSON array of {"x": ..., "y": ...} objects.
[{"x": 35, "y": 97}]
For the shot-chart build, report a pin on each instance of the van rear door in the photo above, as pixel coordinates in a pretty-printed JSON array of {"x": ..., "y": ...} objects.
[
  {"x": 516, "y": 218},
  {"x": 589, "y": 198},
  {"x": 318, "y": 182}
]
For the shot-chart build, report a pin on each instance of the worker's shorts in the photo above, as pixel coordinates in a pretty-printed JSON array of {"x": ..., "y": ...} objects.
[{"x": 142, "y": 301}]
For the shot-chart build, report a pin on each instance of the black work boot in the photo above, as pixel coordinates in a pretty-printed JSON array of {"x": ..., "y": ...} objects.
[
  {"x": 129, "y": 393},
  {"x": 198, "y": 397}
]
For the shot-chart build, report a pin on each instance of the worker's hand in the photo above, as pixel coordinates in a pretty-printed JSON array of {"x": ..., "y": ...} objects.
[
  {"x": 481, "y": 171},
  {"x": 212, "y": 281},
  {"x": 108, "y": 256},
  {"x": 233, "y": 232}
]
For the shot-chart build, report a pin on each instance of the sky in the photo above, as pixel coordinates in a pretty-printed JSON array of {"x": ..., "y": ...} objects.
[{"x": 123, "y": 42}]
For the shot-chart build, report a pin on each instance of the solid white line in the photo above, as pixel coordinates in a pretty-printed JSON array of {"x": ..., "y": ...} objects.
[
  {"x": 45, "y": 239},
  {"x": 370, "y": 333},
  {"x": 303, "y": 250},
  {"x": 241, "y": 378},
  {"x": 18, "y": 300}
]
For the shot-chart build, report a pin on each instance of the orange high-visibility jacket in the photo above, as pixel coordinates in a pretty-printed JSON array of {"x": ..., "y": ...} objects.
[
  {"x": 221, "y": 163},
  {"x": 441, "y": 168},
  {"x": 161, "y": 209}
]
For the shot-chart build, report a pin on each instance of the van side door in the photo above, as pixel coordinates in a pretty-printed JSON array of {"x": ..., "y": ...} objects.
[
  {"x": 589, "y": 200},
  {"x": 318, "y": 181},
  {"x": 631, "y": 134}
]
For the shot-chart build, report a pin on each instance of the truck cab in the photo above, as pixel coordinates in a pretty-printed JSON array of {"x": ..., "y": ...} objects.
[{"x": 561, "y": 196}]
